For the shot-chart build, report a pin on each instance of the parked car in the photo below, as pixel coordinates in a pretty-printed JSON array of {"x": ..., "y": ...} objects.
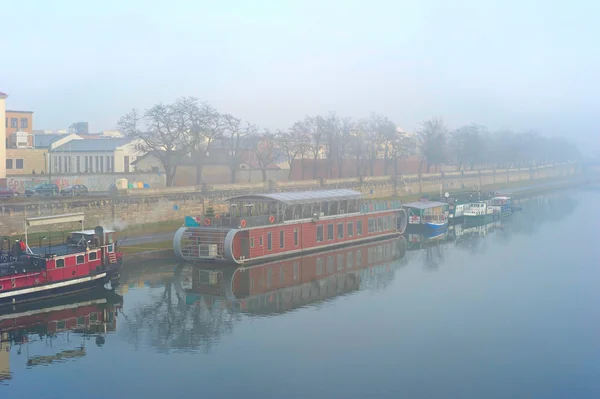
[
  {"x": 75, "y": 189},
  {"x": 7, "y": 193},
  {"x": 46, "y": 189}
]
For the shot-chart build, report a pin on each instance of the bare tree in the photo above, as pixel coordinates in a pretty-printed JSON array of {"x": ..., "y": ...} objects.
[
  {"x": 301, "y": 139},
  {"x": 267, "y": 151},
  {"x": 343, "y": 143},
  {"x": 432, "y": 142},
  {"x": 161, "y": 131},
  {"x": 206, "y": 127},
  {"x": 288, "y": 147},
  {"x": 234, "y": 137},
  {"x": 316, "y": 127}
]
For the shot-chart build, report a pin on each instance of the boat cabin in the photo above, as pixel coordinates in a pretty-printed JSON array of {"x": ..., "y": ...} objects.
[
  {"x": 255, "y": 210},
  {"x": 423, "y": 212},
  {"x": 500, "y": 201}
]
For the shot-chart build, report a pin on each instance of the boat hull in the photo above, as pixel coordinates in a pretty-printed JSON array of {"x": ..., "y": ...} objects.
[
  {"x": 61, "y": 288},
  {"x": 486, "y": 218}
]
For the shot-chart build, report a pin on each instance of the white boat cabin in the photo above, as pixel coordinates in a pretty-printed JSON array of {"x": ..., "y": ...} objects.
[
  {"x": 500, "y": 201},
  {"x": 477, "y": 209}
]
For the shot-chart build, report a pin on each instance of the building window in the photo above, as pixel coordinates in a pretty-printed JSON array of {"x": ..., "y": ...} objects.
[
  {"x": 296, "y": 237},
  {"x": 24, "y": 123},
  {"x": 260, "y": 241},
  {"x": 320, "y": 233},
  {"x": 359, "y": 227},
  {"x": 269, "y": 277},
  {"x": 9, "y": 164},
  {"x": 340, "y": 228},
  {"x": 350, "y": 229},
  {"x": 329, "y": 264},
  {"x": 349, "y": 260},
  {"x": 60, "y": 263},
  {"x": 19, "y": 163},
  {"x": 330, "y": 231},
  {"x": 80, "y": 259},
  {"x": 281, "y": 239},
  {"x": 340, "y": 262},
  {"x": 319, "y": 266},
  {"x": 281, "y": 275},
  {"x": 14, "y": 123},
  {"x": 93, "y": 255},
  {"x": 296, "y": 268},
  {"x": 358, "y": 258},
  {"x": 379, "y": 224},
  {"x": 269, "y": 241}
]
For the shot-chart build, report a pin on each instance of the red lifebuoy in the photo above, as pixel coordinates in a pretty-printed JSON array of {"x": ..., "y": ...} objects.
[
  {"x": 243, "y": 223},
  {"x": 207, "y": 222},
  {"x": 271, "y": 219}
]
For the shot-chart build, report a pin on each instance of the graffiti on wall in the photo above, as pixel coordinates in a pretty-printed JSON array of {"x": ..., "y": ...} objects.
[{"x": 93, "y": 182}]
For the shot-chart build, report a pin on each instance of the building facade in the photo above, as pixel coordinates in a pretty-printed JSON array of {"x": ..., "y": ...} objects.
[
  {"x": 18, "y": 121},
  {"x": 93, "y": 156},
  {"x": 2, "y": 142}
]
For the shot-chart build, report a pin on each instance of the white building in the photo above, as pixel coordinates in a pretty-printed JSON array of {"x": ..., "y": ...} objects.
[{"x": 102, "y": 155}]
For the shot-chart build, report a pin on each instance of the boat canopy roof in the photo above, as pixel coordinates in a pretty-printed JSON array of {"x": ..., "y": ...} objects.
[
  {"x": 424, "y": 204},
  {"x": 91, "y": 232},
  {"x": 55, "y": 219},
  {"x": 301, "y": 197}
]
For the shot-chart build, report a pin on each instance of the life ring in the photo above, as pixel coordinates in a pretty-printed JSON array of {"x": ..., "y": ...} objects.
[
  {"x": 36, "y": 262},
  {"x": 207, "y": 222},
  {"x": 271, "y": 219},
  {"x": 243, "y": 223}
]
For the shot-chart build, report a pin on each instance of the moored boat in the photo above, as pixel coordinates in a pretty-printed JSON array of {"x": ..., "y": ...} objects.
[
  {"x": 502, "y": 204},
  {"x": 264, "y": 226},
  {"x": 428, "y": 216},
  {"x": 87, "y": 259},
  {"x": 480, "y": 212}
]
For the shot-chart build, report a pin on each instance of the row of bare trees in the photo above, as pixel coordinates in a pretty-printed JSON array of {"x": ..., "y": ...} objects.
[{"x": 189, "y": 128}]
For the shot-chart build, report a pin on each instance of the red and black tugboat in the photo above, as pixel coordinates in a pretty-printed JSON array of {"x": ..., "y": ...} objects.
[{"x": 85, "y": 260}]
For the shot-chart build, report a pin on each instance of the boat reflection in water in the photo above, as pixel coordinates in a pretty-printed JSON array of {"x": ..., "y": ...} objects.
[
  {"x": 284, "y": 285},
  {"x": 32, "y": 328}
]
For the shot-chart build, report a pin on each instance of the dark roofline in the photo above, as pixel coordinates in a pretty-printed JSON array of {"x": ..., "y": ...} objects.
[{"x": 19, "y": 112}]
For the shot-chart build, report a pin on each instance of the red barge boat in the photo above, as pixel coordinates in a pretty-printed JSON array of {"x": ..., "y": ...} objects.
[
  {"x": 87, "y": 259},
  {"x": 265, "y": 226}
]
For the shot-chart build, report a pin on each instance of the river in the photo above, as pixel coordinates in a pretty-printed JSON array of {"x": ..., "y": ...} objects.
[{"x": 502, "y": 311}]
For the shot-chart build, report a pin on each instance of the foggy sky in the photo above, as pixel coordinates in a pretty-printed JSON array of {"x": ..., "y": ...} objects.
[{"x": 521, "y": 65}]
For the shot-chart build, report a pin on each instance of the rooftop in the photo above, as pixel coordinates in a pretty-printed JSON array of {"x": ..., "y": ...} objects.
[
  {"x": 92, "y": 145},
  {"x": 3, "y": 95},
  {"x": 16, "y": 111},
  {"x": 44, "y": 140},
  {"x": 302, "y": 197},
  {"x": 424, "y": 204}
]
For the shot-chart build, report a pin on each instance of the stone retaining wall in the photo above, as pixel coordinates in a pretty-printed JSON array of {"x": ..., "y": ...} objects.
[{"x": 158, "y": 205}]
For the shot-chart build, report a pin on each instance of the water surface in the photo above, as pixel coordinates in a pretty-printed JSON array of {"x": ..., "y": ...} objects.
[{"x": 506, "y": 311}]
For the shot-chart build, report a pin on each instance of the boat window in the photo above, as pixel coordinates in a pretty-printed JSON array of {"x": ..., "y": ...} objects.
[
  {"x": 251, "y": 242},
  {"x": 61, "y": 325},
  {"x": 319, "y": 266},
  {"x": 340, "y": 229},
  {"x": 358, "y": 258},
  {"x": 359, "y": 227},
  {"x": 281, "y": 239},
  {"x": 295, "y": 236},
  {"x": 350, "y": 229},
  {"x": 80, "y": 259},
  {"x": 110, "y": 238},
  {"x": 320, "y": 233},
  {"x": 110, "y": 248},
  {"x": 93, "y": 316},
  {"x": 330, "y": 231},
  {"x": 269, "y": 241},
  {"x": 60, "y": 263},
  {"x": 81, "y": 321},
  {"x": 93, "y": 255}
]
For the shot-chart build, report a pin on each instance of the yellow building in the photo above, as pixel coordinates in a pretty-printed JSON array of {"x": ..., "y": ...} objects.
[{"x": 2, "y": 141}]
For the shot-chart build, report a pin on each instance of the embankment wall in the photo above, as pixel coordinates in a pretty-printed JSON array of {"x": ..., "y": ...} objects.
[{"x": 141, "y": 206}]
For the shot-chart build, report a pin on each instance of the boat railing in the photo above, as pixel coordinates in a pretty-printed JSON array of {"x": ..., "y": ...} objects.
[
  {"x": 233, "y": 222},
  {"x": 379, "y": 205}
]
